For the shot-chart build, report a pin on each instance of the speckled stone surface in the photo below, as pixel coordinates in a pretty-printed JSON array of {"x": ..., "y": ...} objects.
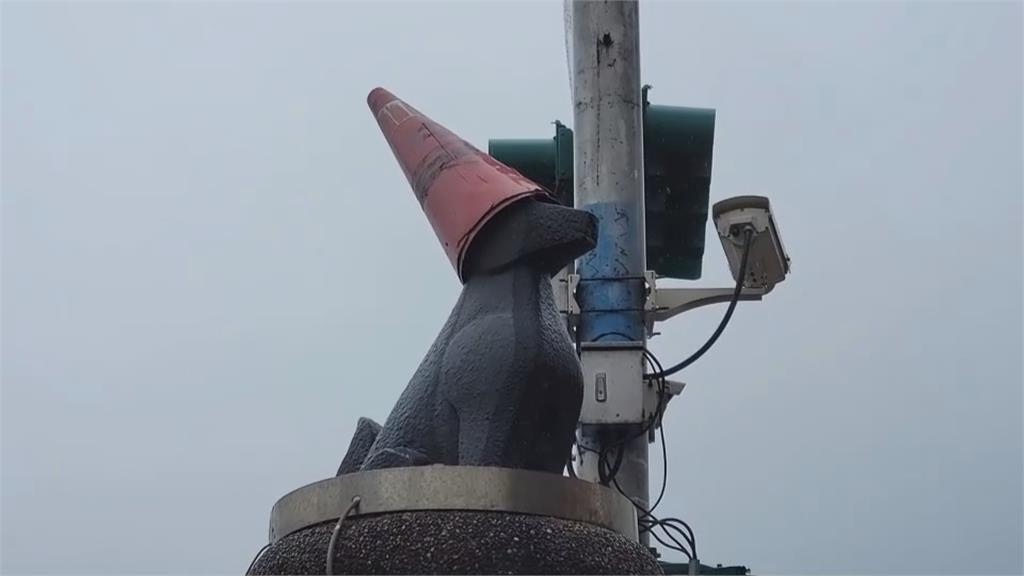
[{"x": 458, "y": 542}]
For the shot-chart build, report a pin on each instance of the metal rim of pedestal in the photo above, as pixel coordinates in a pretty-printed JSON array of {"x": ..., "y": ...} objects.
[{"x": 441, "y": 488}]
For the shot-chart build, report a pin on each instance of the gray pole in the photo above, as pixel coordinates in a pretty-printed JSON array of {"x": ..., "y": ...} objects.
[{"x": 609, "y": 174}]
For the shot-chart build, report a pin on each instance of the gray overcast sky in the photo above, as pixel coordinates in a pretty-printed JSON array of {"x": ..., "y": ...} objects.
[{"x": 212, "y": 265}]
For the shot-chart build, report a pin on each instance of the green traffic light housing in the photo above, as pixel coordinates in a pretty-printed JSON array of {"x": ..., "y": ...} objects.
[
  {"x": 677, "y": 182},
  {"x": 547, "y": 162},
  {"x": 678, "y": 146}
]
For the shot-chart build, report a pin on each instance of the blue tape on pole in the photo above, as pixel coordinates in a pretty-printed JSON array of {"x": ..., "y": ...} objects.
[{"x": 611, "y": 291}]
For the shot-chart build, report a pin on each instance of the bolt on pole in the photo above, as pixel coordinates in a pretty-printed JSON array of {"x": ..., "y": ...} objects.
[{"x": 609, "y": 182}]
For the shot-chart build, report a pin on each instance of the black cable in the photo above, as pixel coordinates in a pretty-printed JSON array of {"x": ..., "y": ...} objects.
[
  {"x": 665, "y": 525},
  {"x": 601, "y": 462},
  {"x": 664, "y": 467},
  {"x": 674, "y": 524},
  {"x": 648, "y": 522},
  {"x": 646, "y": 517},
  {"x": 670, "y": 527},
  {"x": 614, "y": 333},
  {"x": 656, "y": 365},
  {"x": 678, "y": 547},
  {"x": 748, "y": 234},
  {"x": 607, "y": 473},
  {"x": 665, "y": 532}
]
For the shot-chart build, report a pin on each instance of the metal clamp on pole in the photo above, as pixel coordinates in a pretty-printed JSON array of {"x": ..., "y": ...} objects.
[{"x": 564, "y": 286}]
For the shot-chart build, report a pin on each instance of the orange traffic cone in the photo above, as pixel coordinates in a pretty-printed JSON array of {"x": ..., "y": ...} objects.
[{"x": 459, "y": 187}]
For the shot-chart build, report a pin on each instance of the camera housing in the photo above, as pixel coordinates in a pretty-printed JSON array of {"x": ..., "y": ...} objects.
[{"x": 768, "y": 264}]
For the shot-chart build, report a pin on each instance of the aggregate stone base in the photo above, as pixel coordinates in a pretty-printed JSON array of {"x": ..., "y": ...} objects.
[{"x": 458, "y": 542}]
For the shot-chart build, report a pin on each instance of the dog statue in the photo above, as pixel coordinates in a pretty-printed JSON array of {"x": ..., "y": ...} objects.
[{"x": 501, "y": 385}]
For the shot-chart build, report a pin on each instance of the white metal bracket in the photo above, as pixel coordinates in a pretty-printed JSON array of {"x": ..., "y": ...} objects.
[
  {"x": 672, "y": 389},
  {"x": 564, "y": 286},
  {"x": 665, "y": 303}
]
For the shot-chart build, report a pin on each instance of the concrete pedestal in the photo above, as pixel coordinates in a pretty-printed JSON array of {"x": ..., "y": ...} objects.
[
  {"x": 459, "y": 542},
  {"x": 456, "y": 520}
]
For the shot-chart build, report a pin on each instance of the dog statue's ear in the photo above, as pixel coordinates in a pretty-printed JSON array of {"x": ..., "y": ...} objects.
[{"x": 543, "y": 234}]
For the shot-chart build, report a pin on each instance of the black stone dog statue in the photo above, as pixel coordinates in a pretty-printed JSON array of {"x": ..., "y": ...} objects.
[{"x": 501, "y": 385}]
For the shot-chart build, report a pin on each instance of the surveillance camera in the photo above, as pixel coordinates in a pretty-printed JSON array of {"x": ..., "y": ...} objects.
[{"x": 767, "y": 264}]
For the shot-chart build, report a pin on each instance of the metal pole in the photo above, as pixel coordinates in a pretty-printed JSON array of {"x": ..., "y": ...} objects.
[{"x": 609, "y": 179}]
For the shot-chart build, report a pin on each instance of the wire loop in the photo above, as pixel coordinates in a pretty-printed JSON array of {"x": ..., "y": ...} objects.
[{"x": 337, "y": 530}]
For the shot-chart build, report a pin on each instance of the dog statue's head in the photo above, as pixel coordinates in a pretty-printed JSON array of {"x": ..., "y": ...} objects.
[{"x": 541, "y": 234}]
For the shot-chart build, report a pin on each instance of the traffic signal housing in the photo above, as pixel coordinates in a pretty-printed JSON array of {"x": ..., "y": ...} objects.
[
  {"x": 678, "y": 143},
  {"x": 547, "y": 162}
]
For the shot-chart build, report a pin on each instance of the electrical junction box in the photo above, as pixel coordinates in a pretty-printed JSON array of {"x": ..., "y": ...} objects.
[{"x": 614, "y": 391}]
